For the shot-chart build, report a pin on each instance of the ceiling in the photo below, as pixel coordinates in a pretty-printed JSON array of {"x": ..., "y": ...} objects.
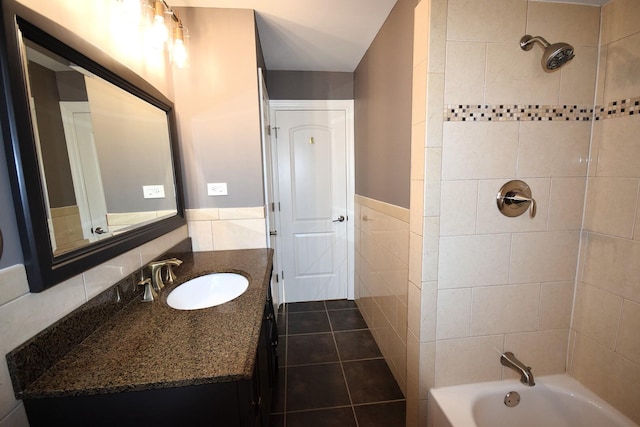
[
  {"x": 318, "y": 35},
  {"x": 311, "y": 35}
]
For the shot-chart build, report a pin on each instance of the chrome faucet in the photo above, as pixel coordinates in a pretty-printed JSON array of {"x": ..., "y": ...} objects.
[
  {"x": 156, "y": 272},
  {"x": 510, "y": 361}
]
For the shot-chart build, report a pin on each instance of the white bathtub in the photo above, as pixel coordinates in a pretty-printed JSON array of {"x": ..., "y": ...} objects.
[{"x": 555, "y": 401}]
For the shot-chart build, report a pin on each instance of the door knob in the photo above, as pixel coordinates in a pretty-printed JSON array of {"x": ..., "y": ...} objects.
[
  {"x": 273, "y": 233},
  {"x": 99, "y": 230},
  {"x": 340, "y": 219}
]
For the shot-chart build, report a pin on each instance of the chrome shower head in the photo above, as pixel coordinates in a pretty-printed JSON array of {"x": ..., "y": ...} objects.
[{"x": 555, "y": 55}]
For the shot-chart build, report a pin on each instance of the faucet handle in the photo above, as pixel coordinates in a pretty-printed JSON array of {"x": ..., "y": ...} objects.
[
  {"x": 149, "y": 293},
  {"x": 156, "y": 274},
  {"x": 170, "y": 275}
]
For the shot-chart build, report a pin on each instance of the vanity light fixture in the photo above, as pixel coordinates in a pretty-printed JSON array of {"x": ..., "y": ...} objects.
[{"x": 161, "y": 28}]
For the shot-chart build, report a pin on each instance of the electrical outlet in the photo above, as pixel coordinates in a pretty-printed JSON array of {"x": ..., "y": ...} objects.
[
  {"x": 153, "y": 191},
  {"x": 217, "y": 189}
]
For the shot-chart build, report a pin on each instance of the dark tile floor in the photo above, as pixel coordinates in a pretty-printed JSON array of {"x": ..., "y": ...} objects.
[{"x": 331, "y": 370}]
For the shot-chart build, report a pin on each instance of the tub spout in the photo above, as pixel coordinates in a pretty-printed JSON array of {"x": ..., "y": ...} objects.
[{"x": 510, "y": 361}]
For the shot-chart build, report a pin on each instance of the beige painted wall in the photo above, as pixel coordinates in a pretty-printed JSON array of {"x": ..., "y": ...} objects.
[
  {"x": 218, "y": 110},
  {"x": 383, "y": 110}
]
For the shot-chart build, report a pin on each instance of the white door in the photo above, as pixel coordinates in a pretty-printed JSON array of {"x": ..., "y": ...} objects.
[
  {"x": 85, "y": 169},
  {"x": 312, "y": 179}
]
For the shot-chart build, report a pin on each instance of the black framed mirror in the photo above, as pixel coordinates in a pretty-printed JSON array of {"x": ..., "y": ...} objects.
[{"x": 92, "y": 150}]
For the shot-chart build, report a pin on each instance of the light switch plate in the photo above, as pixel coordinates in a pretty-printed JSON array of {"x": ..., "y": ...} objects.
[
  {"x": 153, "y": 191},
  {"x": 217, "y": 189}
]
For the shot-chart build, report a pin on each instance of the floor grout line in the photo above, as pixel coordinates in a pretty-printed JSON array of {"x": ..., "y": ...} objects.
[
  {"x": 339, "y": 360},
  {"x": 344, "y": 375}
]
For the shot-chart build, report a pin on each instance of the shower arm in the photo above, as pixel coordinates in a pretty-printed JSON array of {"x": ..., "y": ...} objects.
[{"x": 526, "y": 42}]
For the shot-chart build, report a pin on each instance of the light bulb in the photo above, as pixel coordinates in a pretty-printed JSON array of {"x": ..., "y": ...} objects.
[
  {"x": 159, "y": 31},
  {"x": 179, "y": 54}
]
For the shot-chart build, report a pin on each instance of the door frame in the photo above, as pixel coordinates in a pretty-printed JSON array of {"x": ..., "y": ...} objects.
[
  {"x": 270, "y": 189},
  {"x": 326, "y": 105}
]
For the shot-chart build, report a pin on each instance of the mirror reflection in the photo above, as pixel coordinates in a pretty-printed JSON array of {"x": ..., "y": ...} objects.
[{"x": 104, "y": 154}]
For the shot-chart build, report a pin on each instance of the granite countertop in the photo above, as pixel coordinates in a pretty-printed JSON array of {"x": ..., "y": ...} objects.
[{"x": 151, "y": 345}]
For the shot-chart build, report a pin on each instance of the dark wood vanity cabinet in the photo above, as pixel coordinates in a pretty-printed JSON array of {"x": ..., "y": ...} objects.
[{"x": 244, "y": 403}]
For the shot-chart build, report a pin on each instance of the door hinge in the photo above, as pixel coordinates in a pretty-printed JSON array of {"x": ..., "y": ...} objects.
[
  {"x": 279, "y": 209},
  {"x": 282, "y": 274},
  {"x": 277, "y": 278},
  {"x": 268, "y": 130},
  {"x": 273, "y": 207}
]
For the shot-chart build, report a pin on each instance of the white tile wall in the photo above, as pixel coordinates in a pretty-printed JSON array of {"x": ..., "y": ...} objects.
[
  {"x": 506, "y": 283},
  {"x": 227, "y": 228},
  {"x": 386, "y": 298}
]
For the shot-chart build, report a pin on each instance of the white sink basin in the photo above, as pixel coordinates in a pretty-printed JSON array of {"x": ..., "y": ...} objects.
[{"x": 207, "y": 291}]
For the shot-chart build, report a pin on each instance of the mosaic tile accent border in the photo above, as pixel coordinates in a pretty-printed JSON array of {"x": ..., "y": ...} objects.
[
  {"x": 626, "y": 107},
  {"x": 503, "y": 112}
]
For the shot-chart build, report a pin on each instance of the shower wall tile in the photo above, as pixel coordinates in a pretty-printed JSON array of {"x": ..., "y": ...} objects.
[
  {"x": 413, "y": 310},
  {"x": 486, "y": 20},
  {"x": 485, "y": 259},
  {"x": 553, "y": 149},
  {"x": 515, "y": 76},
  {"x": 418, "y": 140},
  {"x": 611, "y": 264},
  {"x": 468, "y": 360},
  {"x": 430, "y": 249},
  {"x": 578, "y": 78},
  {"x": 628, "y": 344},
  {"x": 608, "y": 374},
  {"x": 433, "y": 172},
  {"x": 602, "y": 73},
  {"x": 556, "y": 301},
  {"x": 437, "y": 35},
  {"x": 428, "y": 321},
  {"x": 427, "y": 368},
  {"x": 505, "y": 309},
  {"x": 419, "y": 93},
  {"x": 465, "y": 73},
  {"x": 611, "y": 205},
  {"x": 620, "y": 19},
  {"x": 544, "y": 257},
  {"x": 545, "y": 351},
  {"x": 435, "y": 90},
  {"x": 597, "y": 314},
  {"x": 550, "y": 21},
  {"x": 479, "y": 150},
  {"x": 417, "y": 206},
  {"x": 508, "y": 281},
  {"x": 489, "y": 218},
  {"x": 458, "y": 207},
  {"x": 453, "y": 313},
  {"x": 622, "y": 79},
  {"x": 618, "y": 148},
  {"x": 566, "y": 203}
]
